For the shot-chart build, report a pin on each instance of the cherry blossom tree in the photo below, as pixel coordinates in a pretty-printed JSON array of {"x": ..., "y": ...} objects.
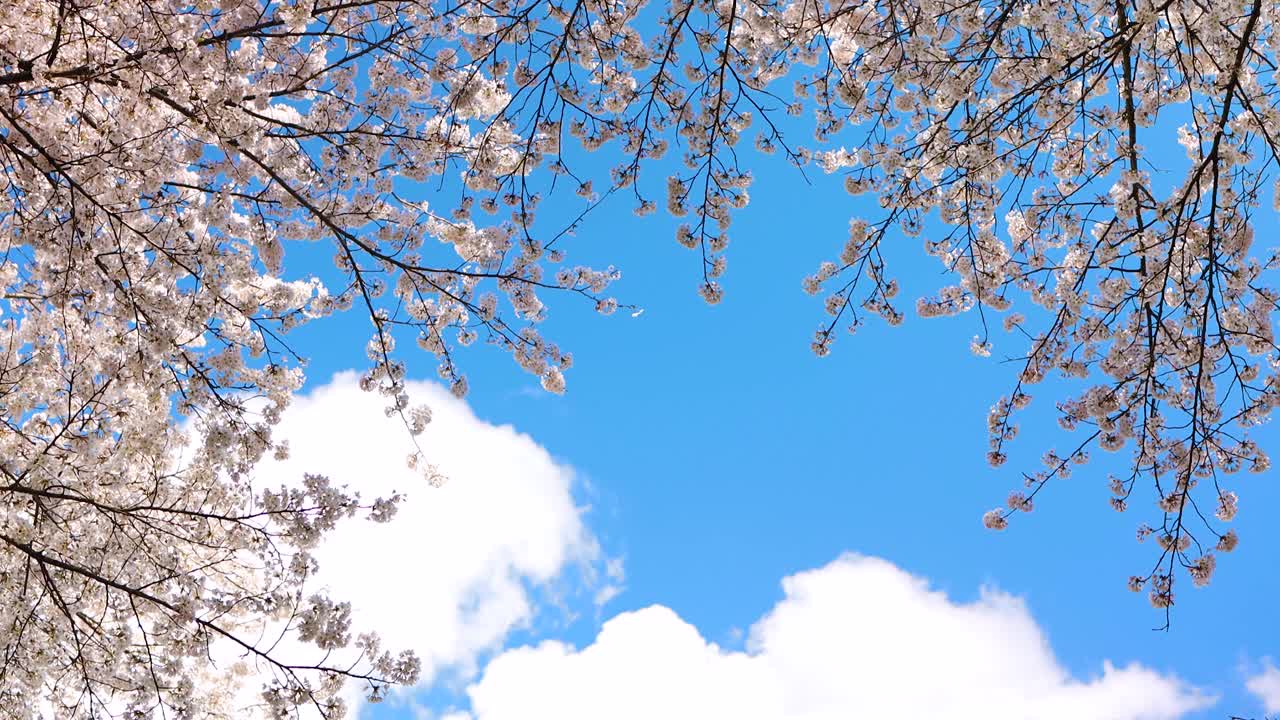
[{"x": 159, "y": 158}]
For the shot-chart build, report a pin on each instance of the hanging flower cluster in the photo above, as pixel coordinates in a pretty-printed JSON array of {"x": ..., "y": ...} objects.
[{"x": 159, "y": 159}]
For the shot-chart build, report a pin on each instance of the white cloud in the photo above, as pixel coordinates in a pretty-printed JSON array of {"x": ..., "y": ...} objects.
[
  {"x": 859, "y": 638},
  {"x": 1266, "y": 686},
  {"x": 450, "y": 576}
]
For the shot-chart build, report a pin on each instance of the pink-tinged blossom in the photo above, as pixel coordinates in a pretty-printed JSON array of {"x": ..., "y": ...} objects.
[{"x": 161, "y": 160}]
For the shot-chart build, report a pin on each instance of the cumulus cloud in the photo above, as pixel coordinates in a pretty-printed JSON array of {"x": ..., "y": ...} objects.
[
  {"x": 858, "y": 638},
  {"x": 454, "y": 572},
  {"x": 1266, "y": 686}
]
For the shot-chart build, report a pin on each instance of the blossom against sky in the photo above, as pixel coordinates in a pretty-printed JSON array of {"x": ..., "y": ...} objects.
[
  {"x": 702, "y": 454},
  {"x": 713, "y": 456}
]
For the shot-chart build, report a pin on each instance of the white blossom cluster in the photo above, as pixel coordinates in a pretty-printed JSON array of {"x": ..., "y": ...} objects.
[
  {"x": 159, "y": 159},
  {"x": 1035, "y": 133}
]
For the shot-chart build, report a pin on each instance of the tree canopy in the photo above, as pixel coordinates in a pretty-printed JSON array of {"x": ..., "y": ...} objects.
[{"x": 158, "y": 160}]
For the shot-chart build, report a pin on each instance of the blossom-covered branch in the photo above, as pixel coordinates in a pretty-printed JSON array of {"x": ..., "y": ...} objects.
[{"x": 159, "y": 159}]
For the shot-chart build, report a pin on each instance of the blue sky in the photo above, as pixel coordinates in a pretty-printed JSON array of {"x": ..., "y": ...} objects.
[{"x": 715, "y": 455}]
